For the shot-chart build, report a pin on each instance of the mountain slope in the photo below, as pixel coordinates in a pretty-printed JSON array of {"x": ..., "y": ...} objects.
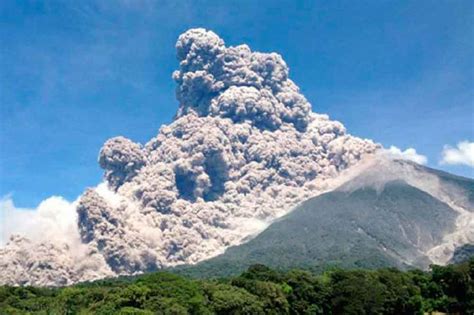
[{"x": 364, "y": 223}]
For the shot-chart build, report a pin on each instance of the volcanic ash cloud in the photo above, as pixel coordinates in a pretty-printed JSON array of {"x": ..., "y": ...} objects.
[{"x": 244, "y": 149}]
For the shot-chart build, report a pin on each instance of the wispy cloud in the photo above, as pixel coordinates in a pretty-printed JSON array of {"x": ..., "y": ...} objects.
[
  {"x": 462, "y": 154},
  {"x": 409, "y": 154}
]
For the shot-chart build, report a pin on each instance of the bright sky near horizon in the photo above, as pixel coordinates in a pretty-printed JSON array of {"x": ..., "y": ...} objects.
[{"x": 75, "y": 73}]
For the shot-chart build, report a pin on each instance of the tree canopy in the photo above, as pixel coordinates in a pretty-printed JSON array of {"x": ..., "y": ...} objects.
[{"x": 259, "y": 290}]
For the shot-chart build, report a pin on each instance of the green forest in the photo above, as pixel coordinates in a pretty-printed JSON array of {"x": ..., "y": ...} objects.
[{"x": 259, "y": 290}]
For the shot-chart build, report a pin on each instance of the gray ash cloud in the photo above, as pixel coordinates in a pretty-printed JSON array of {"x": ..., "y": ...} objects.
[{"x": 243, "y": 149}]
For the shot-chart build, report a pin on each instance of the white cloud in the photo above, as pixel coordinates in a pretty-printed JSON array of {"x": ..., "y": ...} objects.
[
  {"x": 53, "y": 219},
  {"x": 409, "y": 154},
  {"x": 463, "y": 154}
]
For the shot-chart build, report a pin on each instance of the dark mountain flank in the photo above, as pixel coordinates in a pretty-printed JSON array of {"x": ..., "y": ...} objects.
[{"x": 366, "y": 223}]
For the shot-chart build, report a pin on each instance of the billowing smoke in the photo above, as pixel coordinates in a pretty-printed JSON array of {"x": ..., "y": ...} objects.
[
  {"x": 44, "y": 246},
  {"x": 244, "y": 149},
  {"x": 121, "y": 159}
]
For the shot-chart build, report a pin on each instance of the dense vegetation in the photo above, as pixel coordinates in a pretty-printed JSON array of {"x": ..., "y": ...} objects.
[{"x": 259, "y": 290}]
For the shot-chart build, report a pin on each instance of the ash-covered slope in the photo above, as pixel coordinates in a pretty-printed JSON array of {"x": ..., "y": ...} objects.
[
  {"x": 244, "y": 149},
  {"x": 388, "y": 213}
]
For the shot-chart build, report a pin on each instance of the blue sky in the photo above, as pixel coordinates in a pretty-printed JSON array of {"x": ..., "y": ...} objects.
[{"x": 75, "y": 73}]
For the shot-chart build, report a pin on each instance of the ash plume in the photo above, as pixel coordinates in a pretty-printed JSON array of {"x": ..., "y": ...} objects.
[{"x": 244, "y": 149}]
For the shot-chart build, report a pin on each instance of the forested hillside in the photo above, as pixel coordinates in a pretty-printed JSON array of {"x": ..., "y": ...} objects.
[{"x": 259, "y": 290}]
